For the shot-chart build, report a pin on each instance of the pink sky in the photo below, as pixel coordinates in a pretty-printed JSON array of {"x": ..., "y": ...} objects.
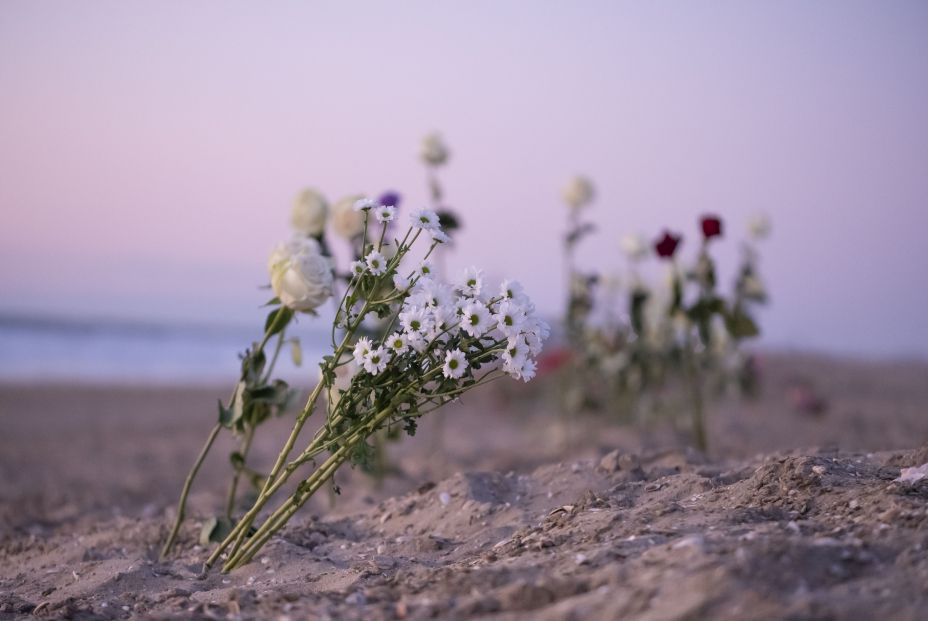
[{"x": 149, "y": 151}]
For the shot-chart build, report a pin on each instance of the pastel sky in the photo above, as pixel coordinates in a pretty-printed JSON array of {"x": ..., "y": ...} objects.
[{"x": 149, "y": 152}]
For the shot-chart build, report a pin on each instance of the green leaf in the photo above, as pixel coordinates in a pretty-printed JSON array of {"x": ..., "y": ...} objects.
[
  {"x": 214, "y": 529},
  {"x": 578, "y": 233},
  {"x": 677, "y": 300},
  {"x": 237, "y": 460},
  {"x": 225, "y": 415},
  {"x": 273, "y": 302},
  {"x": 740, "y": 325},
  {"x": 237, "y": 405},
  {"x": 277, "y": 320},
  {"x": 638, "y": 299},
  {"x": 271, "y": 394},
  {"x": 448, "y": 220},
  {"x": 253, "y": 365}
]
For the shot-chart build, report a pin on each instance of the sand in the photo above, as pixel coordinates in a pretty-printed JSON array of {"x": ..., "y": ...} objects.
[{"x": 493, "y": 511}]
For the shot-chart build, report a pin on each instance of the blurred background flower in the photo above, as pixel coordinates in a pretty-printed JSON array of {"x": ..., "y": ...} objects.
[{"x": 136, "y": 170}]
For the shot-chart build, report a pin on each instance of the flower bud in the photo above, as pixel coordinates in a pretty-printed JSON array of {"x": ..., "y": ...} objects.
[
  {"x": 346, "y": 221},
  {"x": 310, "y": 210},
  {"x": 711, "y": 226},
  {"x": 634, "y": 247},
  {"x": 578, "y": 193},
  {"x": 433, "y": 150},
  {"x": 301, "y": 276},
  {"x": 759, "y": 226},
  {"x": 752, "y": 287}
]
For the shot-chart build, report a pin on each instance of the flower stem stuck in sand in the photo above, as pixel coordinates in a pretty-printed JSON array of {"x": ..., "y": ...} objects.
[{"x": 439, "y": 341}]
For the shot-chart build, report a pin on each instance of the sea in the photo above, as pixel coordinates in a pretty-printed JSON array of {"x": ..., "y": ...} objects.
[{"x": 106, "y": 351}]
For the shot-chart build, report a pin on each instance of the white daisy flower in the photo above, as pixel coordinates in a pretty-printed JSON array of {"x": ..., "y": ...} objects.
[
  {"x": 376, "y": 263},
  {"x": 475, "y": 319},
  {"x": 527, "y": 372},
  {"x": 533, "y": 342},
  {"x": 471, "y": 282},
  {"x": 376, "y": 360},
  {"x": 441, "y": 320},
  {"x": 424, "y": 219},
  {"x": 363, "y": 204},
  {"x": 459, "y": 303},
  {"x": 425, "y": 269},
  {"x": 510, "y": 318},
  {"x": 431, "y": 293},
  {"x": 444, "y": 315},
  {"x": 455, "y": 364},
  {"x": 437, "y": 334},
  {"x": 401, "y": 282},
  {"x": 535, "y": 331},
  {"x": 414, "y": 320},
  {"x": 516, "y": 353},
  {"x": 439, "y": 236},
  {"x": 358, "y": 268},
  {"x": 512, "y": 290},
  {"x": 385, "y": 213},
  {"x": 361, "y": 349},
  {"x": 398, "y": 343},
  {"x": 417, "y": 341}
]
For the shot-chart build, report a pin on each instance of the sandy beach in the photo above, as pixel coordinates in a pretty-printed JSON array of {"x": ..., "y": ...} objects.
[{"x": 495, "y": 510}]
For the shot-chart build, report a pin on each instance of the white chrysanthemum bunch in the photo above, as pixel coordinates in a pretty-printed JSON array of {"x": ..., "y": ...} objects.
[
  {"x": 458, "y": 328},
  {"x": 437, "y": 341}
]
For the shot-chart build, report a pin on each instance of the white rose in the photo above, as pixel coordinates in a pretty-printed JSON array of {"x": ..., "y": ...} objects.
[
  {"x": 310, "y": 210},
  {"x": 759, "y": 226},
  {"x": 347, "y": 222},
  {"x": 578, "y": 193},
  {"x": 433, "y": 150},
  {"x": 634, "y": 246},
  {"x": 301, "y": 276}
]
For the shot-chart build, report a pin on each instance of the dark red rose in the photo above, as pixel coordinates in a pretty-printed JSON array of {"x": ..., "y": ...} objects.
[
  {"x": 711, "y": 226},
  {"x": 666, "y": 246}
]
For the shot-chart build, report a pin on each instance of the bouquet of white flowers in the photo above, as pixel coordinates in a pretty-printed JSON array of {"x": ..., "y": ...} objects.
[{"x": 439, "y": 341}]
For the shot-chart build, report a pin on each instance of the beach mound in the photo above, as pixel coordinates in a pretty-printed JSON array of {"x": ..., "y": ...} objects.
[
  {"x": 806, "y": 535},
  {"x": 498, "y": 508}
]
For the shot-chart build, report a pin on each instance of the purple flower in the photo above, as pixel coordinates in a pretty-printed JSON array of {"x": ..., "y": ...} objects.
[{"x": 390, "y": 199}]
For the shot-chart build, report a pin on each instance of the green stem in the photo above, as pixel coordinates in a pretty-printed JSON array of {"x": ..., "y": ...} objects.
[
  {"x": 243, "y": 553},
  {"x": 182, "y": 503},
  {"x": 233, "y": 486},
  {"x": 319, "y": 443},
  {"x": 283, "y": 514},
  {"x": 250, "y": 431},
  {"x": 695, "y": 382},
  {"x": 322, "y": 474},
  {"x": 270, "y": 484},
  {"x": 270, "y": 367}
]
